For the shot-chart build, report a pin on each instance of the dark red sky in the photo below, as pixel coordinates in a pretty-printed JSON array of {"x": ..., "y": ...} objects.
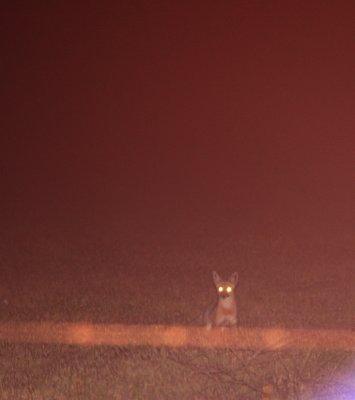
[{"x": 242, "y": 108}]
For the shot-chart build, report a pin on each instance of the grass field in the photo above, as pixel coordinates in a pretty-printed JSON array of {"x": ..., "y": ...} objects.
[{"x": 143, "y": 279}]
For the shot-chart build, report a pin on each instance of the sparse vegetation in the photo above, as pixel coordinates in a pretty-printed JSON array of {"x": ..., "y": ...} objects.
[
  {"x": 171, "y": 283},
  {"x": 66, "y": 372}
]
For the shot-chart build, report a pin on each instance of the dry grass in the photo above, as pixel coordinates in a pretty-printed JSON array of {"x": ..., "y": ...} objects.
[
  {"x": 283, "y": 284},
  {"x": 65, "y": 372},
  {"x": 84, "y": 334}
]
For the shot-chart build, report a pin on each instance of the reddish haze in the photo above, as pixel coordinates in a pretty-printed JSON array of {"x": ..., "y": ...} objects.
[{"x": 237, "y": 109}]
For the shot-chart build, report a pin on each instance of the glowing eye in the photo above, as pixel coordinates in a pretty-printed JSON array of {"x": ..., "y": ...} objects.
[
  {"x": 229, "y": 289},
  {"x": 220, "y": 289}
]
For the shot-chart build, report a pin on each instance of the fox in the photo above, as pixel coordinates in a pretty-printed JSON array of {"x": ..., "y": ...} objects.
[{"x": 224, "y": 311}]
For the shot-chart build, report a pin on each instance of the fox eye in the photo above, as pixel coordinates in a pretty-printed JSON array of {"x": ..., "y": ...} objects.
[
  {"x": 229, "y": 289},
  {"x": 220, "y": 289}
]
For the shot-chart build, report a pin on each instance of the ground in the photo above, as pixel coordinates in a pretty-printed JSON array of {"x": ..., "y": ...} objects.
[{"x": 285, "y": 281}]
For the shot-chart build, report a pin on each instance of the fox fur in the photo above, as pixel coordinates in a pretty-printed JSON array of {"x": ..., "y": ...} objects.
[{"x": 224, "y": 311}]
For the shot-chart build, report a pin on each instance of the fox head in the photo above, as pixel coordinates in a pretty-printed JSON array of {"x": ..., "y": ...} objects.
[{"x": 227, "y": 288}]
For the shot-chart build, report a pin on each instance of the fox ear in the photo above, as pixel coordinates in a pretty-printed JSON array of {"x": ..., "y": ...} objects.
[
  {"x": 234, "y": 278},
  {"x": 216, "y": 278}
]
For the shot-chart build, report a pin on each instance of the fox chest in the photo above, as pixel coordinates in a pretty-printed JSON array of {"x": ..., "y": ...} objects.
[{"x": 226, "y": 314}]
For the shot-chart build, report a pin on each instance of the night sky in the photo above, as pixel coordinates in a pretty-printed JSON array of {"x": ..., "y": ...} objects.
[{"x": 237, "y": 111}]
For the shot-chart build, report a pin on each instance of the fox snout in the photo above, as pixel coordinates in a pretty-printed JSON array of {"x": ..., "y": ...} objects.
[{"x": 224, "y": 295}]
